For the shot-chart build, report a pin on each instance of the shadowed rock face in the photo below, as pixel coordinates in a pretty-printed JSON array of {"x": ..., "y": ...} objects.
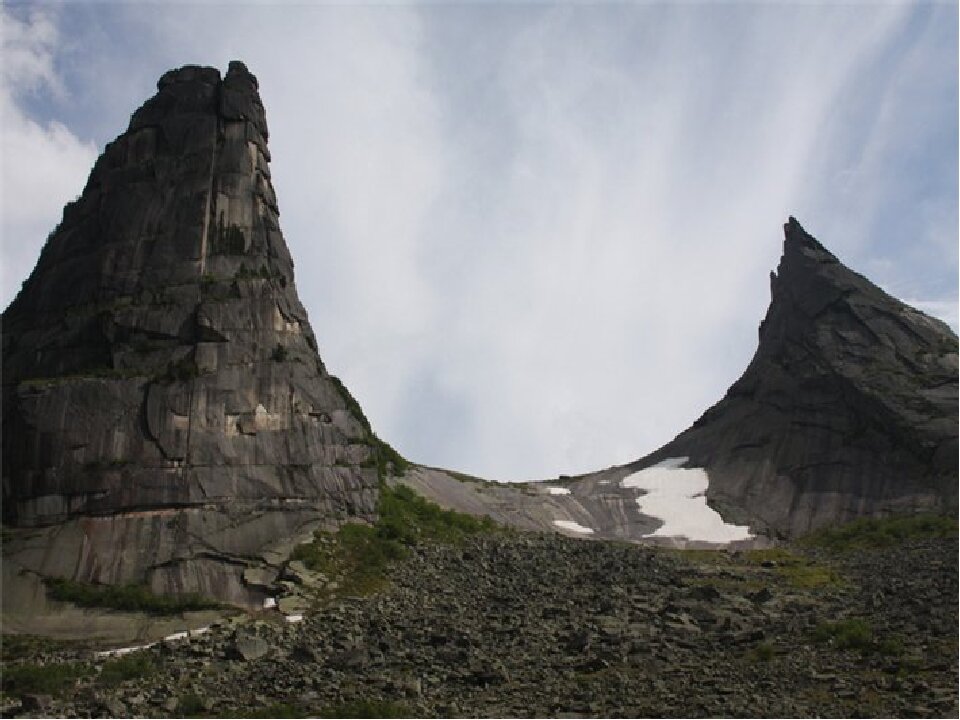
[
  {"x": 166, "y": 417},
  {"x": 848, "y": 408}
]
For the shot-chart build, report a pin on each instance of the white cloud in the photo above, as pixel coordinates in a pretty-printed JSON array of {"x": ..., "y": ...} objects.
[{"x": 43, "y": 165}]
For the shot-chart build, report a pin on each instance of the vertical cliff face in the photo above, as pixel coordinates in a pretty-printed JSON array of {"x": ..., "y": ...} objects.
[
  {"x": 166, "y": 415},
  {"x": 848, "y": 408}
]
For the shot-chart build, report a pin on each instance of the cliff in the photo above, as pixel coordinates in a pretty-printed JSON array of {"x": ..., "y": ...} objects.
[{"x": 166, "y": 417}]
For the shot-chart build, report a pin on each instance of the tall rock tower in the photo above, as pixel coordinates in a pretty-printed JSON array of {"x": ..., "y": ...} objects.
[{"x": 166, "y": 416}]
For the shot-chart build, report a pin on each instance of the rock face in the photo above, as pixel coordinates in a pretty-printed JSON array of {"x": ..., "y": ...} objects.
[
  {"x": 166, "y": 416},
  {"x": 848, "y": 408}
]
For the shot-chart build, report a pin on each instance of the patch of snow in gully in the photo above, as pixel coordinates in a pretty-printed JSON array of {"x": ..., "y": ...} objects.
[
  {"x": 572, "y": 526},
  {"x": 557, "y": 491},
  {"x": 678, "y": 496}
]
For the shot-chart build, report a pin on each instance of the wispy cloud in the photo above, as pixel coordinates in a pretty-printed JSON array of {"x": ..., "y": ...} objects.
[
  {"x": 42, "y": 164},
  {"x": 535, "y": 239}
]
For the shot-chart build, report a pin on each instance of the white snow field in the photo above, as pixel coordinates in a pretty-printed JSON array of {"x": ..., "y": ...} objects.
[
  {"x": 677, "y": 496},
  {"x": 572, "y": 526},
  {"x": 557, "y": 490}
]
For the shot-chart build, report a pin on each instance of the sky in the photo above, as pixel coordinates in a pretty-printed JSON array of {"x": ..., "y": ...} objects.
[{"x": 536, "y": 238}]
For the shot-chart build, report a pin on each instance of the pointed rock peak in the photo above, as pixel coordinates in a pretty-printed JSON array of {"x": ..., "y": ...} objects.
[
  {"x": 158, "y": 363},
  {"x": 802, "y": 248},
  {"x": 237, "y": 74},
  {"x": 796, "y": 238},
  {"x": 848, "y": 408}
]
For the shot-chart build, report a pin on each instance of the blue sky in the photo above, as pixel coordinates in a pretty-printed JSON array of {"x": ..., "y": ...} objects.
[{"x": 532, "y": 239}]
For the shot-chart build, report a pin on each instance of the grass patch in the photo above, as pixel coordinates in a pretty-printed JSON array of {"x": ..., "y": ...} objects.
[
  {"x": 761, "y": 653},
  {"x": 191, "y": 705},
  {"x": 749, "y": 565},
  {"x": 387, "y": 460},
  {"x": 881, "y": 533},
  {"x": 126, "y": 667},
  {"x": 367, "y": 709},
  {"x": 409, "y": 518},
  {"x": 129, "y": 598},
  {"x": 856, "y": 634},
  {"x": 358, "y": 556},
  {"x": 355, "y": 557},
  {"x": 49, "y": 679}
]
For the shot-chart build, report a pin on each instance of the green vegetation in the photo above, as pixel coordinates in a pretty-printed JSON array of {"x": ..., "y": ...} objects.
[
  {"x": 797, "y": 570},
  {"x": 190, "y": 705},
  {"x": 49, "y": 679},
  {"x": 881, "y": 533},
  {"x": 387, "y": 459},
  {"x": 126, "y": 667},
  {"x": 368, "y": 709},
  {"x": 410, "y": 519},
  {"x": 279, "y": 353},
  {"x": 129, "y": 598},
  {"x": 358, "y": 556},
  {"x": 384, "y": 456},
  {"x": 751, "y": 568},
  {"x": 351, "y": 402},
  {"x": 855, "y": 634},
  {"x": 762, "y": 652}
]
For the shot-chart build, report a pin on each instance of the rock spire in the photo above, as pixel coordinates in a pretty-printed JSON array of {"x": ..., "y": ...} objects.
[
  {"x": 166, "y": 417},
  {"x": 848, "y": 408}
]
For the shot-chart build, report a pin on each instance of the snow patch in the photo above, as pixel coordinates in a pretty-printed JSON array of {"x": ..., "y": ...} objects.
[
  {"x": 572, "y": 526},
  {"x": 557, "y": 490},
  {"x": 294, "y": 618},
  {"x": 117, "y": 652},
  {"x": 269, "y": 602},
  {"x": 677, "y": 496}
]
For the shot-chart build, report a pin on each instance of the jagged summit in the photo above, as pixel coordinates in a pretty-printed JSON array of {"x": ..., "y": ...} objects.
[
  {"x": 166, "y": 415},
  {"x": 848, "y": 408}
]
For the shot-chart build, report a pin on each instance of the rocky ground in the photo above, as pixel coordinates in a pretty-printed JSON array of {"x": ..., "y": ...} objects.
[{"x": 539, "y": 625}]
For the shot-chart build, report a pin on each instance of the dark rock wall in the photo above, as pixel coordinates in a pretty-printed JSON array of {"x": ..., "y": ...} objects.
[
  {"x": 848, "y": 408},
  {"x": 161, "y": 383}
]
